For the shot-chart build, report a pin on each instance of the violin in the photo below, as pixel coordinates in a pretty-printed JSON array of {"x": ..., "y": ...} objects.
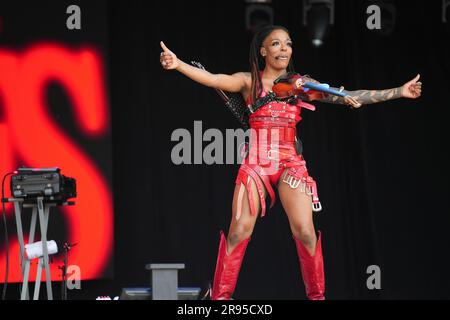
[{"x": 292, "y": 84}]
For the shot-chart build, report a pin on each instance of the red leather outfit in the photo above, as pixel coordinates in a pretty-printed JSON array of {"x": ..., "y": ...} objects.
[{"x": 272, "y": 151}]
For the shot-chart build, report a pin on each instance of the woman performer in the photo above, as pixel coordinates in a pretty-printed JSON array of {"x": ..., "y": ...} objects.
[{"x": 277, "y": 163}]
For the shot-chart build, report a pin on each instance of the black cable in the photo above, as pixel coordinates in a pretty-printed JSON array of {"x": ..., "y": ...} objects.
[{"x": 5, "y": 285}]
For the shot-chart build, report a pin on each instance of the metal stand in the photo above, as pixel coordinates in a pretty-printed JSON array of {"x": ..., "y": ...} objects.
[
  {"x": 41, "y": 208},
  {"x": 164, "y": 280}
]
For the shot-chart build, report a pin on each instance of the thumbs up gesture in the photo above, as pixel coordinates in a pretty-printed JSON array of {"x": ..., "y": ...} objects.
[
  {"x": 167, "y": 58},
  {"x": 413, "y": 88}
]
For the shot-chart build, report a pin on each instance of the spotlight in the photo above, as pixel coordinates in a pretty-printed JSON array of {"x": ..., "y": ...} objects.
[
  {"x": 446, "y": 14},
  {"x": 258, "y": 14},
  {"x": 317, "y": 15},
  {"x": 445, "y": 6}
]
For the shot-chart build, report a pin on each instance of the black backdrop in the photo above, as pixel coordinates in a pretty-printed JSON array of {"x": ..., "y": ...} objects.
[{"x": 381, "y": 170}]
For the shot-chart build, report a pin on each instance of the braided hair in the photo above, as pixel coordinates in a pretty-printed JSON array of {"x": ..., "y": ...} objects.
[{"x": 257, "y": 62}]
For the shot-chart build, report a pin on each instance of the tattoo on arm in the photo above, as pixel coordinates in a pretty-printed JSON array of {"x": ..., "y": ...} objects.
[
  {"x": 368, "y": 96},
  {"x": 363, "y": 96}
]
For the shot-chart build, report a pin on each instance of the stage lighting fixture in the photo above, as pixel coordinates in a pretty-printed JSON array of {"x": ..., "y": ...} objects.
[
  {"x": 446, "y": 15},
  {"x": 317, "y": 16},
  {"x": 258, "y": 14},
  {"x": 445, "y": 7}
]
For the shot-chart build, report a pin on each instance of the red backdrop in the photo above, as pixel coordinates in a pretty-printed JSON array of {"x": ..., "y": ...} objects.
[{"x": 31, "y": 136}]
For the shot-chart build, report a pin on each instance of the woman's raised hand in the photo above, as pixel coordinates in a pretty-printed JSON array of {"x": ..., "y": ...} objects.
[
  {"x": 167, "y": 58},
  {"x": 412, "y": 89}
]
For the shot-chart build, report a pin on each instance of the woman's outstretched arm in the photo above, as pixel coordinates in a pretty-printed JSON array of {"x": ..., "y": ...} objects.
[
  {"x": 231, "y": 83},
  {"x": 412, "y": 89}
]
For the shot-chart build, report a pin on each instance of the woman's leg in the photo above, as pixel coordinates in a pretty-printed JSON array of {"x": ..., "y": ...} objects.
[
  {"x": 242, "y": 221},
  {"x": 232, "y": 250},
  {"x": 298, "y": 208},
  {"x": 297, "y": 205}
]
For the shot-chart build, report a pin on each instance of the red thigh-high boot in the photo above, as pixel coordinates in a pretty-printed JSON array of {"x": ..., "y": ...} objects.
[
  {"x": 227, "y": 269},
  {"x": 312, "y": 270}
]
